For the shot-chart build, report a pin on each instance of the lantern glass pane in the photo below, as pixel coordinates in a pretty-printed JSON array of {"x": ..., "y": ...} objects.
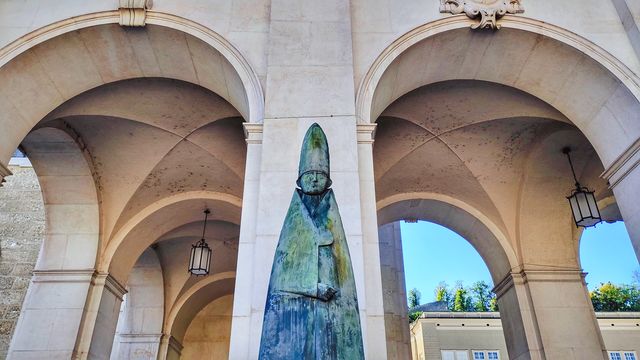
[
  {"x": 575, "y": 208},
  {"x": 593, "y": 205},
  {"x": 584, "y": 204}
]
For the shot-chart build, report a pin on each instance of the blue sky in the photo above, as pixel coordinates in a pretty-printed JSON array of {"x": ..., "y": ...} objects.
[{"x": 433, "y": 253}]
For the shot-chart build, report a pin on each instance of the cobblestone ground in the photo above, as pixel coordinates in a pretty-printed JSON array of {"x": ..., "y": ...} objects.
[{"x": 22, "y": 224}]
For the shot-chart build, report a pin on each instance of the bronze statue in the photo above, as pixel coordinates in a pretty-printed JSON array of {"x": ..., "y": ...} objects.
[{"x": 312, "y": 307}]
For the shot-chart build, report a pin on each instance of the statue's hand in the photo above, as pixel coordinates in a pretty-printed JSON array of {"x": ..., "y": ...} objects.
[{"x": 326, "y": 292}]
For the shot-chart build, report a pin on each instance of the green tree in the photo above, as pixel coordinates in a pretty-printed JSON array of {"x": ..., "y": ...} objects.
[
  {"x": 610, "y": 297},
  {"x": 414, "y": 298},
  {"x": 443, "y": 294},
  {"x": 461, "y": 300},
  {"x": 481, "y": 296},
  {"x": 493, "y": 303}
]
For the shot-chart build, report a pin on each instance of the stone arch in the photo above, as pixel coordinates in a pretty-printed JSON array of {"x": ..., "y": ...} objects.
[
  {"x": 58, "y": 49},
  {"x": 141, "y": 316},
  {"x": 163, "y": 216},
  {"x": 70, "y": 198},
  {"x": 611, "y": 90},
  {"x": 192, "y": 293},
  {"x": 190, "y": 303},
  {"x": 471, "y": 224}
]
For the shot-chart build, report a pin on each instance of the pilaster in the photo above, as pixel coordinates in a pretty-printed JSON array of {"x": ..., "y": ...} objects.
[
  {"x": 547, "y": 314},
  {"x": 624, "y": 179}
]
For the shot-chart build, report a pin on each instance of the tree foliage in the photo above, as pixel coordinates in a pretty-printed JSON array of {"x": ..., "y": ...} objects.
[
  {"x": 477, "y": 297},
  {"x": 414, "y": 298},
  {"x": 610, "y": 297}
]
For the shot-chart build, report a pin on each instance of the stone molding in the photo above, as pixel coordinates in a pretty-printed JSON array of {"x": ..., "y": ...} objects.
[
  {"x": 134, "y": 12},
  {"x": 80, "y": 275},
  {"x": 489, "y": 12},
  {"x": 369, "y": 83},
  {"x": 175, "y": 344},
  {"x": 4, "y": 172},
  {"x": 63, "y": 276},
  {"x": 140, "y": 338},
  {"x": 526, "y": 276},
  {"x": 243, "y": 68},
  {"x": 366, "y": 133},
  {"x": 253, "y": 133},
  {"x": 623, "y": 165}
]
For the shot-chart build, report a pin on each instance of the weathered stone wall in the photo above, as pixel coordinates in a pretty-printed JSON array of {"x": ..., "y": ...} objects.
[{"x": 21, "y": 233}]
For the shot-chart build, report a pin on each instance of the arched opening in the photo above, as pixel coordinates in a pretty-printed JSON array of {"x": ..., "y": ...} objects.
[
  {"x": 448, "y": 215},
  {"x": 131, "y": 140},
  {"x": 457, "y": 118}
]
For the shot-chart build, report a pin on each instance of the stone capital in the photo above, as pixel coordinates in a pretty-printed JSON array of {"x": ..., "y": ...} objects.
[
  {"x": 623, "y": 165},
  {"x": 537, "y": 275},
  {"x": 253, "y": 133},
  {"x": 366, "y": 133}
]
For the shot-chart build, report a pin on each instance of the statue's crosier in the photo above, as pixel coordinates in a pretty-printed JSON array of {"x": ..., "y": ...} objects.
[{"x": 312, "y": 306}]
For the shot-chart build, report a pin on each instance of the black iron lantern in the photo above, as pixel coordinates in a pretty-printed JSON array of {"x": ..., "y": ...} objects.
[
  {"x": 583, "y": 201},
  {"x": 200, "y": 260}
]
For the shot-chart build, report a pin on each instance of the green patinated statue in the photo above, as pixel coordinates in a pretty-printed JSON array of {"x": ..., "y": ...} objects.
[{"x": 312, "y": 306}]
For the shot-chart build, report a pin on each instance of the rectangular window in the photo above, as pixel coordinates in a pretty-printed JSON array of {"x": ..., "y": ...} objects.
[
  {"x": 478, "y": 355},
  {"x": 614, "y": 355},
  {"x": 455, "y": 355},
  {"x": 629, "y": 355},
  {"x": 493, "y": 355}
]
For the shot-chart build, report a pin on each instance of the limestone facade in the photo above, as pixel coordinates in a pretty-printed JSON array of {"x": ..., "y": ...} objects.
[{"x": 133, "y": 130}]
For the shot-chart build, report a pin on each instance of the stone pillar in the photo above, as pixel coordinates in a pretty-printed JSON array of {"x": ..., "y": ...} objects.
[
  {"x": 51, "y": 315},
  {"x": 100, "y": 321},
  {"x": 624, "y": 178},
  {"x": 396, "y": 317},
  {"x": 309, "y": 79},
  {"x": 547, "y": 314},
  {"x": 376, "y": 317},
  {"x": 244, "y": 287}
]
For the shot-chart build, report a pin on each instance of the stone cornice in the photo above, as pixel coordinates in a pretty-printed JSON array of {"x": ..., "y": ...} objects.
[
  {"x": 366, "y": 133},
  {"x": 65, "y": 276},
  {"x": 253, "y": 133},
  {"x": 140, "y": 338},
  {"x": 623, "y": 165},
  {"x": 81, "y": 276},
  {"x": 547, "y": 275}
]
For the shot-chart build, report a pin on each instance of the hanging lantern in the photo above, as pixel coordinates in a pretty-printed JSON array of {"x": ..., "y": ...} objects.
[
  {"x": 200, "y": 260},
  {"x": 583, "y": 201}
]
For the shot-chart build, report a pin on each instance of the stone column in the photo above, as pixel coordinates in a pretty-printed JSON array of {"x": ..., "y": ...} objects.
[
  {"x": 170, "y": 348},
  {"x": 244, "y": 288},
  {"x": 624, "y": 178},
  {"x": 394, "y": 292},
  {"x": 309, "y": 79},
  {"x": 547, "y": 314},
  {"x": 101, "y": 318}
]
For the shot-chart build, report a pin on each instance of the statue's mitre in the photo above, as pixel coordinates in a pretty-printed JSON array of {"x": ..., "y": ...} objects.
[{"x": 314, "y": 155}]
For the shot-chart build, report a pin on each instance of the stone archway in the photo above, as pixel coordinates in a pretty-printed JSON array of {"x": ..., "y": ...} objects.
[
  {"x": 134, "y": 119},
  {"x": 448, "y": 212},
  {"x": 458, "y": 118}
]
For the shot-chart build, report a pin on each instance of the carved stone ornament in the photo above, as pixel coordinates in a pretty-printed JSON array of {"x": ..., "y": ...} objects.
[
  {"x": 489, "y": 11},
  {"x": 133, "y": 12}
]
